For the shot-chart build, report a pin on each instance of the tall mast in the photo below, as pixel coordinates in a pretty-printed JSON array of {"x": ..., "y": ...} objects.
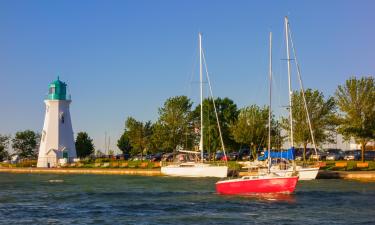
[
  {"x": 201, "y": 90},
  {"x": 289, "y": 81},
  {"x": 269, "y": 107}
]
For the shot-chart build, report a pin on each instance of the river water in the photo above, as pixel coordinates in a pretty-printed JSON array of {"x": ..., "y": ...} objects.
[{"x": 103, "y": 199}]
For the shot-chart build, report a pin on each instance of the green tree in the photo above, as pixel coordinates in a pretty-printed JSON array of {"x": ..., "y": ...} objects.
[
  {"x": 356, "y": 101},
  {"x": 84, "y": 145},
  {"x": 251, "y": 127},
  {"x": 174, "y": 127},
  {"x": 25, "y": 144},
  {"x": 4, "y": 143},
  {"x": 322, "y": 114},
  {"x": 227, "y": 114},
  {"x": 277, "y": 139},
  {"x": 124, "y": 143},
  {"x": 139, "y": 135}
]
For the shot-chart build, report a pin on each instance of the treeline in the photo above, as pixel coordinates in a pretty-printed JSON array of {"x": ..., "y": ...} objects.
[
  {"x": 350, "y": 112},
  {"x": 25, "y": 145}
]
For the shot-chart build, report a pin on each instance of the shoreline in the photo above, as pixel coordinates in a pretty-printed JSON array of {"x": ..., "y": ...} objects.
[
  {"x": 323, "y": 174},
  {"x": 142, "y": 172},
  {"x": 347, "y": 175}
]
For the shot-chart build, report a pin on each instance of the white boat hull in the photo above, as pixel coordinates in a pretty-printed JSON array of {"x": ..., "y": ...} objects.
[
  {"x": 195, "y": 170},
  {"x": 303, "y": 173}
]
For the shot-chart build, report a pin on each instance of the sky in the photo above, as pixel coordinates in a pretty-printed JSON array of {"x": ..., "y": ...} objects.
[{"x": 125, "y": 58}]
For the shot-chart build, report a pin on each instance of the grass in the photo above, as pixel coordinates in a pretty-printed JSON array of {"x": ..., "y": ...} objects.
[{"x": 352, "y": 166}]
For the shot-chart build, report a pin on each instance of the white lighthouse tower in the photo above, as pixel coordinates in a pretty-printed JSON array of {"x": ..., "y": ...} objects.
[{"x": 57, "y": 141}]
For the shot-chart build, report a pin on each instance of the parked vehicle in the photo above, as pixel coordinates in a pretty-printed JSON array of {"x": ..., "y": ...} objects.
[
  {"x": 167, "y": 157},
  {"x": 125, "y": 156},
  {"x": 219, "y": 155},
  {"x": 370, "y": 155},
  {"x": 335, "y": 154},
  {"x": 310, "y": 154},
  {"x": 138, "y": 157},
  {"x": 233, "y": 156},
  {"x": 319, "y": 155},
  {"x": 157, "y": 157},
  {"x": 353, "y": 155},
  {"x": 244, "y": 154}
]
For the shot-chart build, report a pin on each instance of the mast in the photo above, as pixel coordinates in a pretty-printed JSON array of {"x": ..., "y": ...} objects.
[
  {"x": 289, "y": 81},
  {"x": 201, "y": 93},
  {"x": 269, "y": 107}
]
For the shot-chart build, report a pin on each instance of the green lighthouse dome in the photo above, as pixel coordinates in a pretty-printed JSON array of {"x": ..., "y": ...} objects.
[{"x": 57, "y": 90}]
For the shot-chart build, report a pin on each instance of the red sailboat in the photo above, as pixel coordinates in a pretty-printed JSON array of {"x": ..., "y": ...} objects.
[{"x": 267, "y": 183}]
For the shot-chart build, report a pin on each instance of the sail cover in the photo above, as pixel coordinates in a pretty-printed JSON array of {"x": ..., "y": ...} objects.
[{"x": 288, "y": 154}]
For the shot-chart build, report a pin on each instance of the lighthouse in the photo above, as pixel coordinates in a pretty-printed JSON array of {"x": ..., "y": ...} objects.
[{"x": 57, "y": 141}]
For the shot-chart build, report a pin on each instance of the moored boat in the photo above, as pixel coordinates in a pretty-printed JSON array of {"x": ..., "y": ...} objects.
[
  {"x": 304, "y": 173},
  {"x": 198, "y": 168},
  {"x": 193, "y": 169},
  {"x": 269, "y": 183}
]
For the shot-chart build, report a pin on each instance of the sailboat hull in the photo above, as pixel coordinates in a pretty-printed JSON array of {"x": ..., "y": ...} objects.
[
  {"x": 195, "y": 170},
  {"x": 243, "y": 186},
  {"x": 309, "y": 173}
]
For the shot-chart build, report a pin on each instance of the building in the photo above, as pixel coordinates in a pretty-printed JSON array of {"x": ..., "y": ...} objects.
[{"x": 57, "y": 141}]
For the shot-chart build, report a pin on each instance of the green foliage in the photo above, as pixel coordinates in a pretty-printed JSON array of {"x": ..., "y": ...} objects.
[
  {"x": 174, "y": 126},
  {"x": 251, "y": 127},
  {"x": 227, "y": 114},
  {"x": 322, "y": 114},
  {"x": 139, "y": 135},
  {"x": 356, "y": 101},
  {"x": 4, "y": 143},
  {"x": 84, "y": 145},
  {"x": 124, "y": 143},
  {"x": 25, "y": 144}
]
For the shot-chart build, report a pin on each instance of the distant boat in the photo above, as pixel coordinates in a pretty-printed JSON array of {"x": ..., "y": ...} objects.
[
  {"x": 266, "y": 183},
  {"x": 304, "y": 173},
  {"x": 197, "y": 168}
]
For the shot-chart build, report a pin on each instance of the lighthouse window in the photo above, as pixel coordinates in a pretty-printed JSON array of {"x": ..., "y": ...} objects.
[
  {"x": 52, "y": 90},
  {"x": 62, "y": 117}
]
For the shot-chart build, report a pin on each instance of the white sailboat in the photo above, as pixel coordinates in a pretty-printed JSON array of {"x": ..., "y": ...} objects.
[
  {"x": 198, "y": 168},
  {"x": 304, "y": 173}
]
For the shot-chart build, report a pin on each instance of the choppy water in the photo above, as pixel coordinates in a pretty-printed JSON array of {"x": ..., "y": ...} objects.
[{"x": 96, "y": 199}]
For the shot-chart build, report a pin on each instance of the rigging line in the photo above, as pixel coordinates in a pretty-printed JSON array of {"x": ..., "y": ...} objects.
[
  {"x": 213, "y": 102},
  {"x": 192, "y": 73},
  {"x": 302, "y": 89}
]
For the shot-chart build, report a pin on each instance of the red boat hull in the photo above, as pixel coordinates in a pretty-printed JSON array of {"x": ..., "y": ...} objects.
[{"x": 254, "y": 186}]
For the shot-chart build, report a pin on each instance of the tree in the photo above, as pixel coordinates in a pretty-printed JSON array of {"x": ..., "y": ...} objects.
[
  {"x": 277, "y": 139},
  {"x": 251, "y": 127},
  {"x": 356, "y": 101},
  {"x": 25, "y": 144},
  {"x": 139, "y": 135},
  {"x": 174, "y": 126},
  {"x": 4, "y": 142},
  {"x": 84, "y": 145},
  {"x": 321, "y": 113},
  {"x": 124, "y": 143},
  {"x": 227, "y": 114}
]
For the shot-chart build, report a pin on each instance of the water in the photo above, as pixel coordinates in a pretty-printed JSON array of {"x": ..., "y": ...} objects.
[{"x": 97, "y": 199}]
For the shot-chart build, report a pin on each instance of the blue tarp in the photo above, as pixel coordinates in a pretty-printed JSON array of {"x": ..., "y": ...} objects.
[{"x": 288, "y": 154}]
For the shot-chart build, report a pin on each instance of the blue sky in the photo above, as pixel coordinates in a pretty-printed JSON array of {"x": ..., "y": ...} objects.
[{"x": 125, "y": 58}]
